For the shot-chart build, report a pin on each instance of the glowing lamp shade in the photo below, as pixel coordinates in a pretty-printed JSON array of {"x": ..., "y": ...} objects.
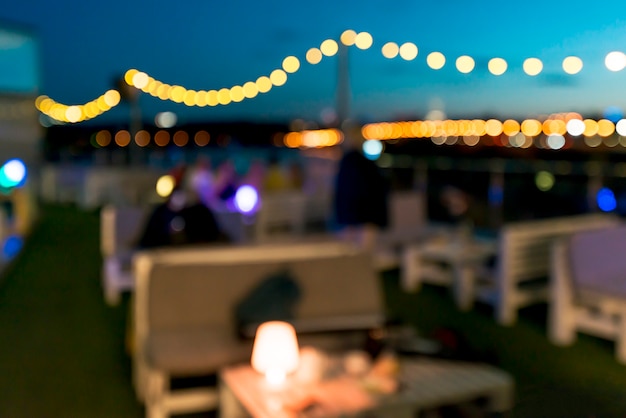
[{"x": 275, "y": 352}]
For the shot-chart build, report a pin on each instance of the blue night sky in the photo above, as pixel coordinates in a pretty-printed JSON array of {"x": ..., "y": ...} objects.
[{"x": 207, "y": 44}]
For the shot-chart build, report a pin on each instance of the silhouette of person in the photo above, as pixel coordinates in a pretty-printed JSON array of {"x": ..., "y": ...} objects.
[
  {"x": 361, "y": 191},
  {"x": 181, "y": 220}
]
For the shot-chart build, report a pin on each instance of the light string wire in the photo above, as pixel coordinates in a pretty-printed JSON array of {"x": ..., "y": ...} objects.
[{"x": 614, "y": 61}]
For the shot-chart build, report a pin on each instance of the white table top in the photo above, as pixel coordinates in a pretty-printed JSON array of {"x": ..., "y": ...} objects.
[{"x": 425, "y": 383}]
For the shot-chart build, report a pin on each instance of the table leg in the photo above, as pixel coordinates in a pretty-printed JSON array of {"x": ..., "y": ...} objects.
[
  {"x": 410, "y": 274},
  {"x": 464, "y": 286}
]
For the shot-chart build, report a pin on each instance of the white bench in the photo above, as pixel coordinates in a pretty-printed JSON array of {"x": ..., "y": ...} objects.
[
  {"x": 120, "y": 228},
  {"x": 519, "y": 277},
  {"x": 184, "y": 301},
  {"x": 524, "y": 256},
  {"x": 588, "y": 289}
]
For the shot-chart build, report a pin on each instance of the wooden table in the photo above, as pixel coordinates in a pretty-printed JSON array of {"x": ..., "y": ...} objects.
[
  {"x": 462, "y": 257},
  {"x": 425, "y": 384}
]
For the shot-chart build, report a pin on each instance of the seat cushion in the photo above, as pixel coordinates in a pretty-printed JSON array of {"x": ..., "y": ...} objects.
[
  {"x": 195, "y": 351},
  {"x": 598, "y": 263}
]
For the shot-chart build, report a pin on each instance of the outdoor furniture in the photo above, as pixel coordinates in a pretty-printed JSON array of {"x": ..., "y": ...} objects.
[
  {"x": 281, "y": 216},
  {"x": 426, "y": 384},
  {"x": 120, "y": 228},
  {"x": 520, "y": 274},
  {"x": 447, "y": 261},
  {"x": 184, "y": 309},
  {"x": 588, "y": 288},
  {"x": 407, "y": 225}
]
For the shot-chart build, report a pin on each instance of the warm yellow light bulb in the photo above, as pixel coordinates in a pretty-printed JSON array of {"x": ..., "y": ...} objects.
[
  {"x": 363, "y": 40},
  {"x": 532, "y": 66},
  {"x": 314, "y": 56},
  {"x": 329, "y": 47},
  {"x": 291, "y": 64},
  {"x": 390, "y": 50},
  {"x": 348, "y": 37}
]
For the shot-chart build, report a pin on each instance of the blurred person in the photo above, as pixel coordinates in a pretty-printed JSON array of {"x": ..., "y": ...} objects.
[
  {"x": 275, "y": 176},
  {"x": 201, "y": 180},
  {"x": 361, "y": 194},
  {"x": 296, "y": 175},
  {"x": 226, "y": 181},
  {"x": 255, "y": 176},
  {"x": 182, "y": 219}
]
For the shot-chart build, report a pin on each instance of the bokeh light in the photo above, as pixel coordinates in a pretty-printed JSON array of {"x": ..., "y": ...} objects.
[
  {"x": 390, "y": 50},
  {"x": 465, "y": 64},
  {"x": 363, "y": 40},
  {"x": 348, "y": 37},
  {"x": 314, "y": 56},
  {"x": 329, "y": 47},
  {"x": 615, "y": 61},
  {"x": 436, "y": 60},
  {"x": 291, "y": 64},
  {"x": 246, "y": 199},
  {"x": 497, "y": 66},
  {"x": 165, "y": 120},
  {"x": 12, "y": 173},
  {"x": 555, "y": 141},
  {"x": 572, "y": 65},
  {"x": 544, "y": 180},
  {"x": 372, "y": 149},
  {"x": 408, "y": 51},
  {"x": 12, "y": 246},
  {"x": 605, "y": 199},
  {"x": 532, "y": 66},
  {"x": 575, "y": 127},
  {"x": 620, "y": 127},
  {"x": 165, "y": 185}
]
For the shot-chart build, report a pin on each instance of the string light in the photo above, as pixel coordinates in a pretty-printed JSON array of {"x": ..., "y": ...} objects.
[
  {"x": 517, "y": 134},
  {"x": 614, "y": 61}
]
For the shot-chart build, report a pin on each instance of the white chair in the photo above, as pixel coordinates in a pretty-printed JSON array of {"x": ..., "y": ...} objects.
[
  {"x": 407, "y": 225},
  {"x": 588, "y": 288},
  {"x": 119, "y": 230},
  {"x": 281, "y": 216}
]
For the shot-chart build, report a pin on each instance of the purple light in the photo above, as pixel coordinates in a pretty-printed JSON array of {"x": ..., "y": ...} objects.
[{"x": 246, "y": 199}]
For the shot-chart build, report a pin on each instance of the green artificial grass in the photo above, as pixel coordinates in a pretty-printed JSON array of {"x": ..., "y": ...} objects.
[{"x": 62, "y": 349}]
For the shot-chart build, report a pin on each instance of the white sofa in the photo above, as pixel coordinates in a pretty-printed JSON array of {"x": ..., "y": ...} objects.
[{"x": 184, "y": 301}]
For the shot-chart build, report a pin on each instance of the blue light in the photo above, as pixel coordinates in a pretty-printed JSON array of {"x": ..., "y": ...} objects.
[
  {"x": 606, "y": 200},
  {"x": 12, "y": 173},
  {"x": 372, "y": 149},
  {"x": 246, "y": 199},
  {"x": 613, "y": 113},
  {"x": 12, "y": 246}
]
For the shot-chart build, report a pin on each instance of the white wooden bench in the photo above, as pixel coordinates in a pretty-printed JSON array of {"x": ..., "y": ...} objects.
[
  {"x": 184, "y": 302},
  {"x": 588, "y": 288},
  {"x": 519, "y": 276},
  {"x": 524, "y": 257}
]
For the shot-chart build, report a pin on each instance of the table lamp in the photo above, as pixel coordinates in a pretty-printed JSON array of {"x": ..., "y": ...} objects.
[{"x": 275, "y": 352}]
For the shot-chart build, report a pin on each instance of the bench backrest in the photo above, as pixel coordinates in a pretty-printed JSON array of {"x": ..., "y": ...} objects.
[
  {"x": 524, "y": 246},
  {"x": 281, "y": 215},
  {"x": 201, "y": 286},
  {"x": 120, "y": 228}
]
